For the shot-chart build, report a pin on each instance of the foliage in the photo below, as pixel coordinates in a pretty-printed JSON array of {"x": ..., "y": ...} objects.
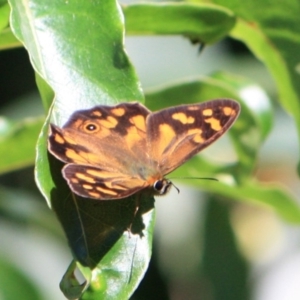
[{"x": 77, "y": 51}]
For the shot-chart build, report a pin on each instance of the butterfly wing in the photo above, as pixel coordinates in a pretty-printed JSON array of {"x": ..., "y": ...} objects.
[
  {"x": 176, "y": 134},
  {"x": 91, "y": 182},
  {"x": 109, "y": 139}
]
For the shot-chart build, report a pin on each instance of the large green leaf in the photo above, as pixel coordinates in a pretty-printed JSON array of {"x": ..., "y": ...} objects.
[
  {"x": 205, "y": 23},
  {"x": 76, "y": 48}
]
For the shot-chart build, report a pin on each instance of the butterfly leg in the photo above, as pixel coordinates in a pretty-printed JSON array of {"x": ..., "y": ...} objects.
[{"x": 142, "y": 204}]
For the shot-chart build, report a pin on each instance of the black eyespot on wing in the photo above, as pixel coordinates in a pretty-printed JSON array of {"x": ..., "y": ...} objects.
[{"x": 91, "y": 128}]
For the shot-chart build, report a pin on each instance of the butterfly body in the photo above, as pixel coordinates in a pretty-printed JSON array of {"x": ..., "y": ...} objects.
[{"x": 112, "y": 152}]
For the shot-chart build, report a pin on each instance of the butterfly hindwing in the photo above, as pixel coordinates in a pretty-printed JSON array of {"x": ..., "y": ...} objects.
[
  {"x": 91, "y": 182},
  {"x": 176, "y": 134}
]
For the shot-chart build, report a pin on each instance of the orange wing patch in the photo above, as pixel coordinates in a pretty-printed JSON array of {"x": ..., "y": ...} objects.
[
  {"x": 214, "y": 123},
  {"x": 207, "y": 112},
  {"x": 183, "y": 118},
  {"x": 118, "y": 111},
  {"x": 96, "y": 113},
  {"x": 58, "y": 138},
  {"x": 139, "y": 122},
  {"x": 164, "y": 139},
  {"x": 109, "y": 122},
  {"x": 228, "y": 111}
]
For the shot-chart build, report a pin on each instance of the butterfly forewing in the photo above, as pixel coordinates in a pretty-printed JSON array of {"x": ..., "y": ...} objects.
[
  {"x": 176, "y": 134},
  {"x": 110, "y": 139}
]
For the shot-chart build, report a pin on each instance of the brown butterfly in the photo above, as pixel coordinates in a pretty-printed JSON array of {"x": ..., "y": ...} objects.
[{"x": 112, "y": 152}]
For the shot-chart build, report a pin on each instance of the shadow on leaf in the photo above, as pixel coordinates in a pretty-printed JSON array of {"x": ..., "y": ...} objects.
[{"x": 92, "y": 227}]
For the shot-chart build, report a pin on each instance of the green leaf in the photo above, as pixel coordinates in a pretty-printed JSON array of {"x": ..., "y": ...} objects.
[
  {"x": 3, "y": 2},
  {"x": 21, "y": 207},
  {"x": 14, "y": 284},
  {"x": 268, "y": 195},
  {"x": 17, "y": 143},
  {"x": 8, "y": 40},
  {"x": 45, "y": 90},
  {"x": 4, "y": 15},
  {"x": 77, "y": 50},
  {"x": 206, "y": 23},
  {"x": 224, "y": 269}
]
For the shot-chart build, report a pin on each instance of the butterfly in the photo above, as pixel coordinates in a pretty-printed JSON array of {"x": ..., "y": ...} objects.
[{"x": 112, "y": 152}]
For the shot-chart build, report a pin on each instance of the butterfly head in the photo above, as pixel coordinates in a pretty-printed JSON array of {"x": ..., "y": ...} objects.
[{"x": 161, "y": 187}]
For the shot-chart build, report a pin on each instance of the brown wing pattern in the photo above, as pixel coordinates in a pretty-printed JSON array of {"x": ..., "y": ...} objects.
[
  {"x": 90, "y": 182},
  {"x": 107, "y": 137},
  {"x": 176, "y": 134},
  {"x": 104, "y": 149}
]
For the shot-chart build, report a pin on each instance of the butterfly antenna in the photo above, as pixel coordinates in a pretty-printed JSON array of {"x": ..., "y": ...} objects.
[
  {"x": 204, "y": 178},
  {"x": 177, "y": 189},
  {"x": 201, "y": 47}
]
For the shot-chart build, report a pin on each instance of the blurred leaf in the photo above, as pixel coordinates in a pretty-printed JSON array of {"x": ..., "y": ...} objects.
[
  {"x": 4, "y": 15},
  {"x": 77, "y": 48},
  {"x": 206, "y": 23},
  {"x": 17, "y": 143},
  {"x": 271, "y": 196},
  {"x": 14, "y": 284},
  {"x": 8, "y": 40},
  {"x": 3, "y": 2},
  {"x": 223, "y": 269},
  {"x": 21, "y": 207}
]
